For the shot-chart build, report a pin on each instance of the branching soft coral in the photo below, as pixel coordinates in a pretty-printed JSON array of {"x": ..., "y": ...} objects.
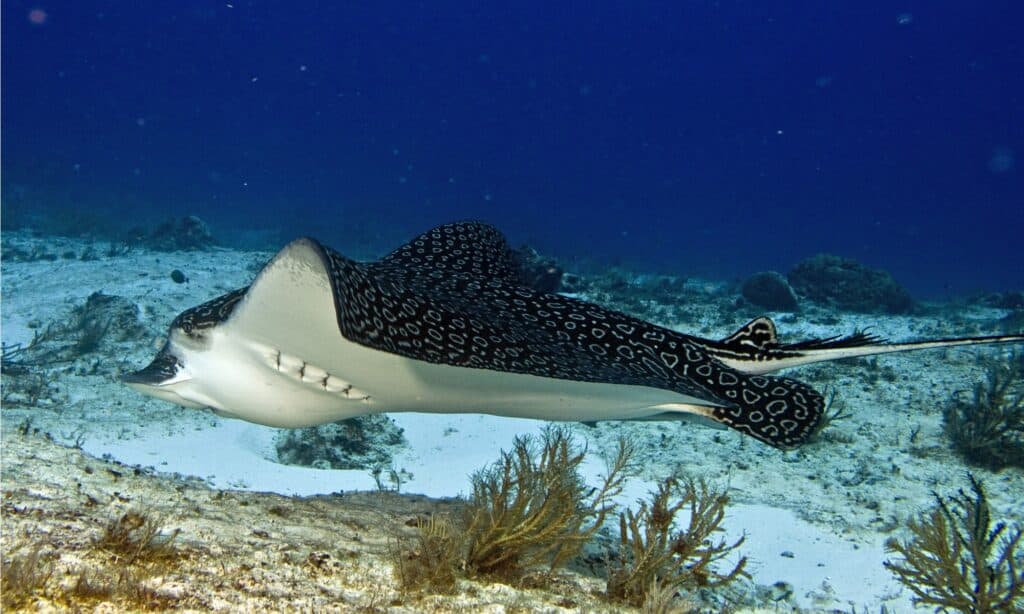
[
  {"x": 956, "y": 560},
  {"x": 532, "y": 507},
  {"x": 653, "y": 552},
  {"x": 988, "y": 429}
]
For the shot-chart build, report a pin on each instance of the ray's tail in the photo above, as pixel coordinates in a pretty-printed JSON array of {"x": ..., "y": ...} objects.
[{"x": 755, "y": 348}]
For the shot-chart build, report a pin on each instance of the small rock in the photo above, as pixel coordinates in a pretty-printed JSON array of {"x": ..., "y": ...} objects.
[
  {"x": 362, "y": 442},
  {"x": 178, "y": 277},
  {"x": 788, "y": 554},
  {"x": 780, "y": 590}
]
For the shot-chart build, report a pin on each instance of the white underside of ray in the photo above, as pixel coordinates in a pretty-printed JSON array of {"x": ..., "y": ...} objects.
[{"x": 280, "y": 360}]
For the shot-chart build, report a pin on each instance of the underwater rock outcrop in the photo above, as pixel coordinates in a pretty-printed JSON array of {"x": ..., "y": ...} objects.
[
  {"x": 1000, "y": 300},
  {"x": 846, "y": 284},
  {"x": 116, "y": 316},
  {"x": 770, "y": 290},
  {"x": 186, "y": 233},
  {"x": 101, "y": 320},
  {"x": 79, "y": 339},
  {"x": 539, "y": 272},
  {"x": 363, "y": 442},
  {"x": 1013, "y": 322}
]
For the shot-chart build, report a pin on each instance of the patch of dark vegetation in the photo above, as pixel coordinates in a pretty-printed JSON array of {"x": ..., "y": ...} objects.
[
  {"x": 136, "y": 537},
  {"x": 987, "y": 429},
  {"x": 432, "y": 563},
  {"x": 125, "y": 587},
  {"x": 654, "y": 555},
  {"x": 957, "y": 560},
  {"x": 23, "y": 379},
  {"x": 846, "y": 284},
  {"x": 530, "y": 514},
  {"x": 23, "y": 577},
  {"x": 23, "y": 386},
  {"x": 363, "y": 442},
  {"x": 135, "y": 550},
  {"x": 139, "y": 550}
]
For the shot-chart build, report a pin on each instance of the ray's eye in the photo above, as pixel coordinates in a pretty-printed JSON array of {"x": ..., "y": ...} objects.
[{"x": 191, "y": 332}]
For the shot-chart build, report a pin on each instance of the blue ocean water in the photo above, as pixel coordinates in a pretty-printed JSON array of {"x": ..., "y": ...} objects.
[{"x": 698, "y": 138}]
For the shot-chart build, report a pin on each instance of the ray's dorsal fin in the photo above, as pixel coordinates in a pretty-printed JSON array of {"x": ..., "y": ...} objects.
[
  {"x": 471, "y": 247},
  {"x": 859, "y": 338},
  {"x": 760, "y": 334},
  {"x": 757, "y": 334}
]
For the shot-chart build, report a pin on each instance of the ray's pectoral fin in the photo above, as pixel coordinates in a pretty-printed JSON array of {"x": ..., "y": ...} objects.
[{"x": 781, "y": 412}]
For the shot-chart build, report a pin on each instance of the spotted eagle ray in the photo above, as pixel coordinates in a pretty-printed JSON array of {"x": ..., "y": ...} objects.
[{"x": 445, "y": 324}]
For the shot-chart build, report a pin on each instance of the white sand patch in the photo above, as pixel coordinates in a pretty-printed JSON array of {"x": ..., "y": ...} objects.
[
  {"x": 443, "y": 451},
  {"x": 825, "y": 570}
]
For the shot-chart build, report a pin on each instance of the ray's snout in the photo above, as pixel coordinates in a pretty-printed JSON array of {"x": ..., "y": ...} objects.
[
  {"x": 157, "y": 377},
  {"x": 163, "y": 368}
]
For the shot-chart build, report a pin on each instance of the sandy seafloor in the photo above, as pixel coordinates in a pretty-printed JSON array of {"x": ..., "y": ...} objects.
[{"x": 828, "y": 506}]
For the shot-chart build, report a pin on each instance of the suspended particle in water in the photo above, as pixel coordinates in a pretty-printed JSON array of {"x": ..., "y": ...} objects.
[
  {"x": 37, "y": 16},
  {"x": 905, "y": 19},
  {"x": 1001, "y": 160}
]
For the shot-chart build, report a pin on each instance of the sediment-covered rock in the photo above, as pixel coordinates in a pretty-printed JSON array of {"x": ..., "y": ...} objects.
[
  {"x": 846, "y": 284},
  {"x": 770, "y": 290}
]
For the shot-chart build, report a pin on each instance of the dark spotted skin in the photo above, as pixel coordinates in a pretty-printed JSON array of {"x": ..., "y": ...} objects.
[
  {"x": 211, "y": 313},
  {"x": 452, "y": 296}
]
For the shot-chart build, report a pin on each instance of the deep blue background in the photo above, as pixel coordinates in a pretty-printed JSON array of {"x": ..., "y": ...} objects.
[{"x": 715, "y": 138}]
